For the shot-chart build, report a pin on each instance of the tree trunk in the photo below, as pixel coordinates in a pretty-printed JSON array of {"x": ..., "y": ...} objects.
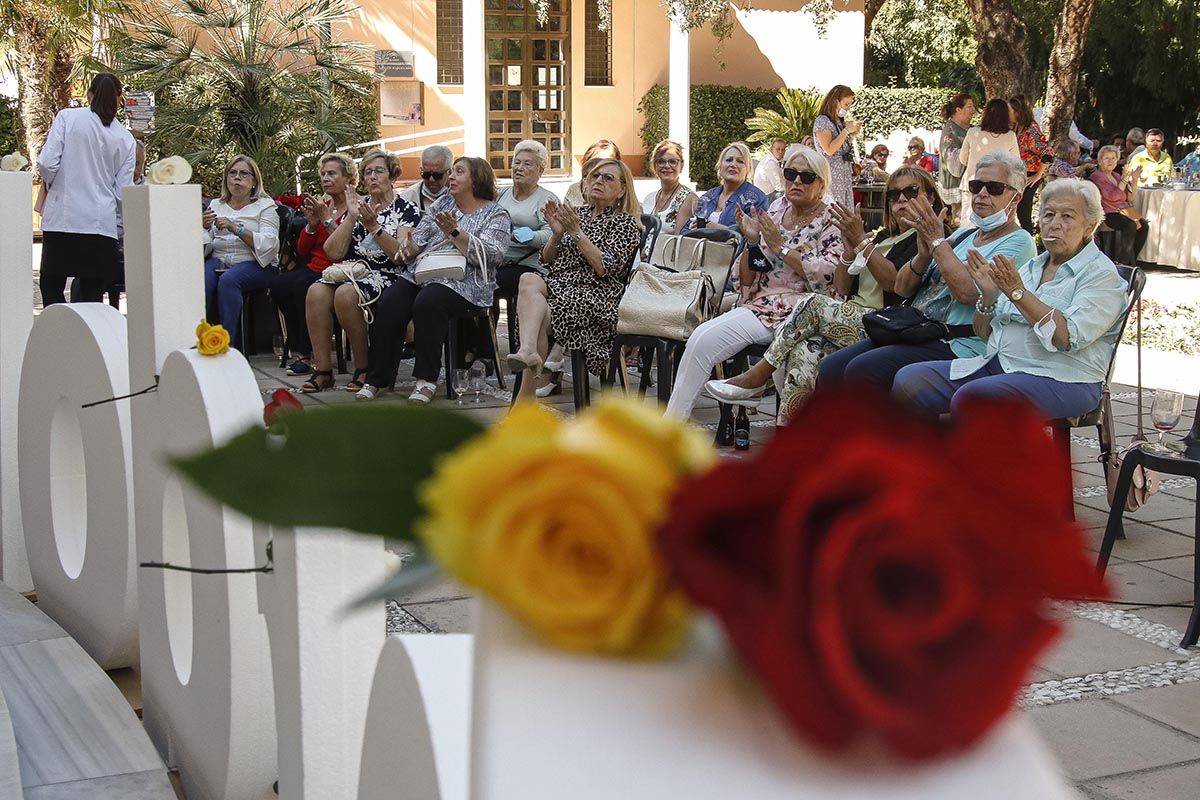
[
  {"x": 870, "y": 9},
  {"x": 44, "y": 73},
  {"x": 1002, "y": 56},
  {"x": 1070, "y": 37}
]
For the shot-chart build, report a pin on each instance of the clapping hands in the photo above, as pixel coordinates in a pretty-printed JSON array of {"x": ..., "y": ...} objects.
[
  {"x": 995, "y": 277},
  {"x": 849, "y": 224}
]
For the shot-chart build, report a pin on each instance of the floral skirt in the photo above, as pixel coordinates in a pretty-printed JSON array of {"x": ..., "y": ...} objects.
[
  {"x": 370, "y": 287},
  {"x": 819, "y": 325}
]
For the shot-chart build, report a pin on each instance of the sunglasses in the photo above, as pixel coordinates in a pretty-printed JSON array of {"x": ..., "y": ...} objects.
[
  {"x": 792, "y": 175},
  {"x": 994, "y": 188},
  {"x": 914, "y": 148},
  {"x": 910, "y": 192},
  {"x": 667, "y": 162},
  {"x": 430, "y": 175}
]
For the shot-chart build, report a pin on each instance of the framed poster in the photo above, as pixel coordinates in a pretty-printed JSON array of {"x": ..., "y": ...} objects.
[{"x": 401, "y": 103}]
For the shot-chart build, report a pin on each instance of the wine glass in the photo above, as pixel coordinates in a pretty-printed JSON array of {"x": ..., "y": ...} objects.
[
  {"x": 478, "y": 374},
  {"x": 1165, "y": 413},
  {"x": 461, "y": 378}
]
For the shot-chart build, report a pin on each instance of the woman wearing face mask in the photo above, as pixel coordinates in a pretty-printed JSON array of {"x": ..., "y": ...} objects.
[
  {"x": 718, "y": 207},
  {"x": 1050, "y": 324},
  {"x": 794, "y": 250},
  {"x": 820, "y": 325},
  {"x": 938, "y": 279},
  {"x": 833, "y": 135}
]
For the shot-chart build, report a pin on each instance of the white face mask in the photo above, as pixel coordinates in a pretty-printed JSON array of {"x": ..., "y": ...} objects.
[
  {"x": 841, "y": 112},
  {"x": 992, "y": 221}
]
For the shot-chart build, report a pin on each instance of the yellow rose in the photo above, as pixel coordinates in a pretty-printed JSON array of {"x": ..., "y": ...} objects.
[
  {"x": 212, "y": 340},
  {"x": 556, "y": 521}
]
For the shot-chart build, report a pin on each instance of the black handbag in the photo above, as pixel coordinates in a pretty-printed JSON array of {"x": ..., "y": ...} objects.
[{"x": 904, "y": 324}]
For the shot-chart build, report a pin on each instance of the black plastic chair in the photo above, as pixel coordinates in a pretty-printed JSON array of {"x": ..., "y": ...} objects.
[
  {"x": 451, "y": 346},
  {"x": 651, "y": 228}
]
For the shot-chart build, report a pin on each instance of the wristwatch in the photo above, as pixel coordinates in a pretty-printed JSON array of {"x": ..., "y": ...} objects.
[
  {"x": 1017, "y": 294},
  {"x": 936, "y": 243},
  {"x": 454, "y": 233},
  {"x": 783, "y": 252}
]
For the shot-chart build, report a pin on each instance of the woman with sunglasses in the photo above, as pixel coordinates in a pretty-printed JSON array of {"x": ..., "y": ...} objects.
[
  {"x": 1050, "y": 328},
  {"x": 794, "y": 249},
  {"x": 719, "y": 206},
  {"x": 917, "y": 157},
  {"x": 937, "y": 278},
  {"x": 820, "y": 325},
  {"x": 672, "y": 202}
]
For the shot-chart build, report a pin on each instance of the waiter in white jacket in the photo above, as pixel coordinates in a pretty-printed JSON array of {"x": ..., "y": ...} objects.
[{"x": 87, "y": 160}]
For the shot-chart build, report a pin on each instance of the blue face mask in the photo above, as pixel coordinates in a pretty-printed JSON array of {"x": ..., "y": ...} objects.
[{"x": 992, "y": 221}]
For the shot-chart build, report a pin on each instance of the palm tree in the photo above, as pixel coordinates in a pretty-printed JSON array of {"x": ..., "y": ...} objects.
[
  {"x": 800, "y": 107},
  {"x": 260, "y": 77},
  {"x": 45, "y": 44}
]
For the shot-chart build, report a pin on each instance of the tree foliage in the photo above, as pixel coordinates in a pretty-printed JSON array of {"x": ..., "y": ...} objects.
[
  {"x": 923, "y": 43},
  {"x": 260, "y": 77}
]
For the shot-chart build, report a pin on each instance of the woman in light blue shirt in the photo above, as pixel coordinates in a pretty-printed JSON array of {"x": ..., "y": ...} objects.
[
  {"x": 938, "y": 278},
  {"x": 1050, "y": 325}
]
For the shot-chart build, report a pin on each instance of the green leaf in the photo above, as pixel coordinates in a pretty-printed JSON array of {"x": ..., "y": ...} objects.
[{"x": 354, "y": 466}]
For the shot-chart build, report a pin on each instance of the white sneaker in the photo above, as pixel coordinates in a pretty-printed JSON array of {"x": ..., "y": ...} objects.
[{"x": 726, "y": 392}]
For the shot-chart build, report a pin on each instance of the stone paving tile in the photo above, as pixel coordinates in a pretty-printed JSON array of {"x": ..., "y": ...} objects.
[
  {"x": 1174, "y": 617},
  {"x": 1185, "y": 526},
  {"x": 1143, "y": 543},
  {"x": 1177, "y": 706},
  {"x": 443, "y": 616},
  {"x": 1088, "y": 647},
  {"x": 1179, "y": 567},
  {"x": 433, "y": 590},
  {"x": 1180, "y": 782},
  {"x": 1160, "y": 507},
  {"x": 1134, "y": 583},
  {"x": 1096, "y": 738},
  {"x": 400, "y": 621}
]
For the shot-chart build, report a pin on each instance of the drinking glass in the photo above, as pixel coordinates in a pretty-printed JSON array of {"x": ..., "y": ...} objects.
[
  {"x": 277, "y": 346},
  {"x": 1165, "y": 413},
  {"x": 478, "y": 375},
  {"x": 461, "y": 378}
]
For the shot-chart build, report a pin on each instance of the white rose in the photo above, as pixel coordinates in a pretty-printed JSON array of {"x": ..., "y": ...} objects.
[
  {"x": 13, "y": 162},
  {"x": 172, "y": 169}
]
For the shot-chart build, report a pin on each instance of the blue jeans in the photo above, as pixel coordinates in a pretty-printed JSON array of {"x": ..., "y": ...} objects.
[
  {"x": 223, "y": 293},
  {"x": 928, "y": 387},
  {"x": 867, "y": 362}
]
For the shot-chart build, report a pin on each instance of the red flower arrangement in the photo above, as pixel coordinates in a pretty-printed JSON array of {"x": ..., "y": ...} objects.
[
  {"x": 282, "y": 401},
  {"x": 886, "y": 578},
  {"x": 292, "y": 201}
]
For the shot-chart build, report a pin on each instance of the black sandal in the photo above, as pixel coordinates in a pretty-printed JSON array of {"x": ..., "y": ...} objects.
[
  {"x": 355, "y": 384},
  {"x": 314, "y": 384}
]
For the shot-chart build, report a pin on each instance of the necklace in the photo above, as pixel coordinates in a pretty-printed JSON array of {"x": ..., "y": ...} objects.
[
  {"x": 801, "y": 218},
  {"x": 659, "y": 205}
]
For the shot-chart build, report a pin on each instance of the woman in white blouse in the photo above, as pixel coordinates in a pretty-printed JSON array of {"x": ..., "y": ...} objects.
[
  {"x": 242, "y": 246},
  {"x": 994, "y": 132}
]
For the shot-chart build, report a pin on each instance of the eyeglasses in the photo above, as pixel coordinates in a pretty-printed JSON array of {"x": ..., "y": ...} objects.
[
  {"x": 914, "y": 148},
  {"x": 240, "y": 173},
  {"x": 792, "y": 175},
  {"x": 667, "y": 162},
  {"x": 607, "y": 177},
  {"x": 430, "y": 175},
  {"x": 375, "y": 171},
  {"x": 910, "y": 192},
  {"x": 994, "y": 188}
]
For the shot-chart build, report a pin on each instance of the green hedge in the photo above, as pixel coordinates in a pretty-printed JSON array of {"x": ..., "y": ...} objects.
[{"x": 719, "y": 114}]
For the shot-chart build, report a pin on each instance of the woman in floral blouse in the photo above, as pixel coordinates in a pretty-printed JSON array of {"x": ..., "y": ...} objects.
[
  {"x": 794, "y": 249},
  {"x": 1035, "y": 152},
  {"x": 589, "y": 254},
  {"x": 672, "y": 202}
]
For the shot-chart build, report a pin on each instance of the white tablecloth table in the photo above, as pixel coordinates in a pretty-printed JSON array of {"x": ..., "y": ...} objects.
[{"x": 1174, "y": 218}]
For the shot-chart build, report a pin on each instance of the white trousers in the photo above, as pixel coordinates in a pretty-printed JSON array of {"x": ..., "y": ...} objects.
[{"x": 711, "y": 343}]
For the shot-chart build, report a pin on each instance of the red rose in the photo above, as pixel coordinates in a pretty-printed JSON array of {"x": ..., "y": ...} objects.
[
  {"x": 883, "y": 576},
  {"x": 282, "y": 400}
]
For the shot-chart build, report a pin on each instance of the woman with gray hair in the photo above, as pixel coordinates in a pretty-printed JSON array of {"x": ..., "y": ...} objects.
[
  {"x": 938, "y": 279},
  {"x": 1050, "y": 324},
  {"x": 525, "y": 202},
  {"x": 794, "y": 249}
]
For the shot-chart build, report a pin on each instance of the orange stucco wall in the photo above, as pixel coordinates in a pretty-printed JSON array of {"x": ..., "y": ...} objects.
[{"x": 640, "y": 59}]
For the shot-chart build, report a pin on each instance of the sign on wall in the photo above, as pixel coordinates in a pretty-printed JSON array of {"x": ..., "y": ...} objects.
[
  {"x": 139, "y": 111},
  {"x": 394, "y": 64}
]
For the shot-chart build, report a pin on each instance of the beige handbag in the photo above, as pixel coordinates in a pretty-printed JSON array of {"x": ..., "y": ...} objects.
[
  {"x": 449, "y": 264},
  {"x": 345, "y": 271},
  {"x": 666, "y": 304}
]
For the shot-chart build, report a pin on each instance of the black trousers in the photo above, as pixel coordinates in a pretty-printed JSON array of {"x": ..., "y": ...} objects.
[
  {"x": 92, "y": 259},
  {"x": 1132, "y": 237},
  {"x": 290, "y": 290},
  {"x": 429, "y": 308},
  {"x": 1025, "y": 207}
]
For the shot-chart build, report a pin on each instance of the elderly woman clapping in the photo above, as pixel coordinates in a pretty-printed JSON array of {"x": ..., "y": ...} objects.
[
  {"x": 1050, "y": 324},
  {"x": 794, "y": 249}
]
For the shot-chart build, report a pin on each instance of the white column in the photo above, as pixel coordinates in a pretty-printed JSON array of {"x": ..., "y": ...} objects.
[
  {"x": 16, "y": 319},
  {"x": 679, "y": 79},
  {"x": 474, "y": 101}
]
